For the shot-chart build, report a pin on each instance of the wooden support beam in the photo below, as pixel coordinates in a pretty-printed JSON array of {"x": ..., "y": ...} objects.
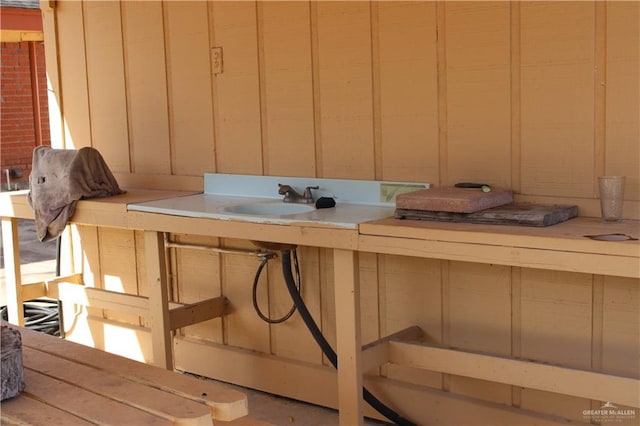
[
  {"x": 376, "y": 353},
  {"x": 98, "y": 298},
  {"x": 528, "y": 374},
  {"x": 158, "y": 299},
  {"x": 180, "y": 314},
  {"x": 34, "y": 291},
  {"x": 349, "y": 350},
  {"x": 13, "y": 277},
  {"x": 185, "y": 315}
]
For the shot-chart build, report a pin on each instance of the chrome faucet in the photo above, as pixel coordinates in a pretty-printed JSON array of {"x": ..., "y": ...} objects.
[{"x": 291, "y": 196}]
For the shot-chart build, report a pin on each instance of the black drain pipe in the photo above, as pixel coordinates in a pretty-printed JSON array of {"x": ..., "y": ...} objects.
[{"x": 325, "y": 346}]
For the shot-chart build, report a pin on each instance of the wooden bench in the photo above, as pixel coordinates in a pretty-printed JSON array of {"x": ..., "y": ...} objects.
[{"x": 68, "y": 383}]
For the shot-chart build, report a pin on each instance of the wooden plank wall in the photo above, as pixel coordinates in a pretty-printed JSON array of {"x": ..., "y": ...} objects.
[
  {"x": 542, "y": 97},
  {"x": 538, "y": 96}
]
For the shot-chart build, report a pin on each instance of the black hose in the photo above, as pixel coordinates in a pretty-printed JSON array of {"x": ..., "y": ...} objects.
[
  {"x": 325, "y": 346},
  {"x": 39, "y": 315},
  {"x": 254, "y": 290}
]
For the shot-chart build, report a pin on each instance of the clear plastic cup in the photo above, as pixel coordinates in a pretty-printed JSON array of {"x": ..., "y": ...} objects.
[{"x": 611, "y": 197}]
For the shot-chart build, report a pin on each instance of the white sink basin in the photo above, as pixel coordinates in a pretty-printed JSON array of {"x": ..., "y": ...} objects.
[{"x": 276, "y": 208}]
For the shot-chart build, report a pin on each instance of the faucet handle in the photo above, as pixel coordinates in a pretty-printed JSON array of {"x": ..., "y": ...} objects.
[{"x": 307, "y": 192}]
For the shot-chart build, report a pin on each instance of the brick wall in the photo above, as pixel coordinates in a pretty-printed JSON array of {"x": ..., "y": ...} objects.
[{"x": 20, "y": 129}]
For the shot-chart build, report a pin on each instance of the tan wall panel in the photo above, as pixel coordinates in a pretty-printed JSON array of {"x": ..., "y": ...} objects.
[
  {"x": 555, "y": 305},
  {"x": 288, "y": 128},
  {"x": 292, "y": 339},
  {"x": 479, "y": 319},
  {"x": 198, "y": 273},
  {"x": 623, "y": 94},
  {"x": 243, "y": 327},
  {"x": 105, "y": 72},
  {"x": 410, "y": 295},
  {"x": 327, "y": 321},
  {"x": 344, "y": 37},
  {"x": 146, "y": 76},
  {"x": 87, "y": 260},
  {"x": 478, "y": 92},
  {"x": 416, "y": 301},
  {"x": 369, "y": 297},
  {"x": 557, "y": 98},
  {"x": 189, "y": 78},
  {"x": 118, "y": 266},
  {"x": 556, "y": 321},
  {"x": 408, "y": 91},
  {"x": 238, "y": 131},
  {"x": 73, "y": 75},
  {"x": 141, "y": 271},
  {"x": 621, "y": 326}
]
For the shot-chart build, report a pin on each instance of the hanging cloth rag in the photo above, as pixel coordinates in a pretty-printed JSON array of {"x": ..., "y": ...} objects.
[{"x": 61, "y": 177}]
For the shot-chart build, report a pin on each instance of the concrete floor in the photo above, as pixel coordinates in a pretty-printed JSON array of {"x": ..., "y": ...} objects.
[{"x": 38, "y": 263}]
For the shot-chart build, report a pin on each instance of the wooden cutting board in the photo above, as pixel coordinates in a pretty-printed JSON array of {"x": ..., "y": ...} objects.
[
  {"x": 510, "y": 214},
  {"x": 450, "y": 199}
]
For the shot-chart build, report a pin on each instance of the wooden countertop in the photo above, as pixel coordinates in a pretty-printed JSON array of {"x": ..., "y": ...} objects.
[
  {"x": 67, "y": 383},
  {"x": 112, "y": 212},
  {"x": 564, "y": 246},
  {"x": 105, "y": 211}
]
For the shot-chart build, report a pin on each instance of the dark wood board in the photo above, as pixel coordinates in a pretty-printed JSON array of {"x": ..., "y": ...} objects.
[{"x": 509, "y": 214}]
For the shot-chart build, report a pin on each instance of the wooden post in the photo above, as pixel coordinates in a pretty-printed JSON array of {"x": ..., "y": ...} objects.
[
  {"x": 13, "y": 277},
  {"x": 158, "y": 300},
  {"x": 349, "y": 346}
]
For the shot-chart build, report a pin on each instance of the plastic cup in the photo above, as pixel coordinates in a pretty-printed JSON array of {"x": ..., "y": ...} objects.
[{"x": 611, "y": 197}]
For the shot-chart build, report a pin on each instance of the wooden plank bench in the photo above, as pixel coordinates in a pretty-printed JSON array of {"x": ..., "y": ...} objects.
[{"x": 68, "y": 383}]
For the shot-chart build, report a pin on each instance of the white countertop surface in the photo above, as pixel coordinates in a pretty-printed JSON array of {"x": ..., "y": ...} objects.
[
  {"x": 344, "y": 215},
  {"x": 357, "y": 201}
]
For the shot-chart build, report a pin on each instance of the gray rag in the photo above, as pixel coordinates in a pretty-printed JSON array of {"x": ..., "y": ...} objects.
[{"x": 61, "y": 177}]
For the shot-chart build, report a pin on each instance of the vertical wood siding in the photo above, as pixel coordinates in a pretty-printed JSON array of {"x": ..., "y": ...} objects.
[{"x": 539, "y": 96}]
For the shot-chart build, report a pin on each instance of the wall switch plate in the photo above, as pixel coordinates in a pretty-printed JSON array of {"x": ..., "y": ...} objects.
[{"x": 216, "y": 60}]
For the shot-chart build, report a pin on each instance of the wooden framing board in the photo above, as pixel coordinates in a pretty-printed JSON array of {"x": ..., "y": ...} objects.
[
  {"x": 348, "y": 336},
  {"x": 504, "y": 255},
  {"x": 264, "y": 372},
  {"x": 302, "y": 235},
  {"x": 70, "y": 290},
  {"x": 528, "y": 374},
  {"x": 13, "y": 276},
  {"x": 564, "y": 247}
]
